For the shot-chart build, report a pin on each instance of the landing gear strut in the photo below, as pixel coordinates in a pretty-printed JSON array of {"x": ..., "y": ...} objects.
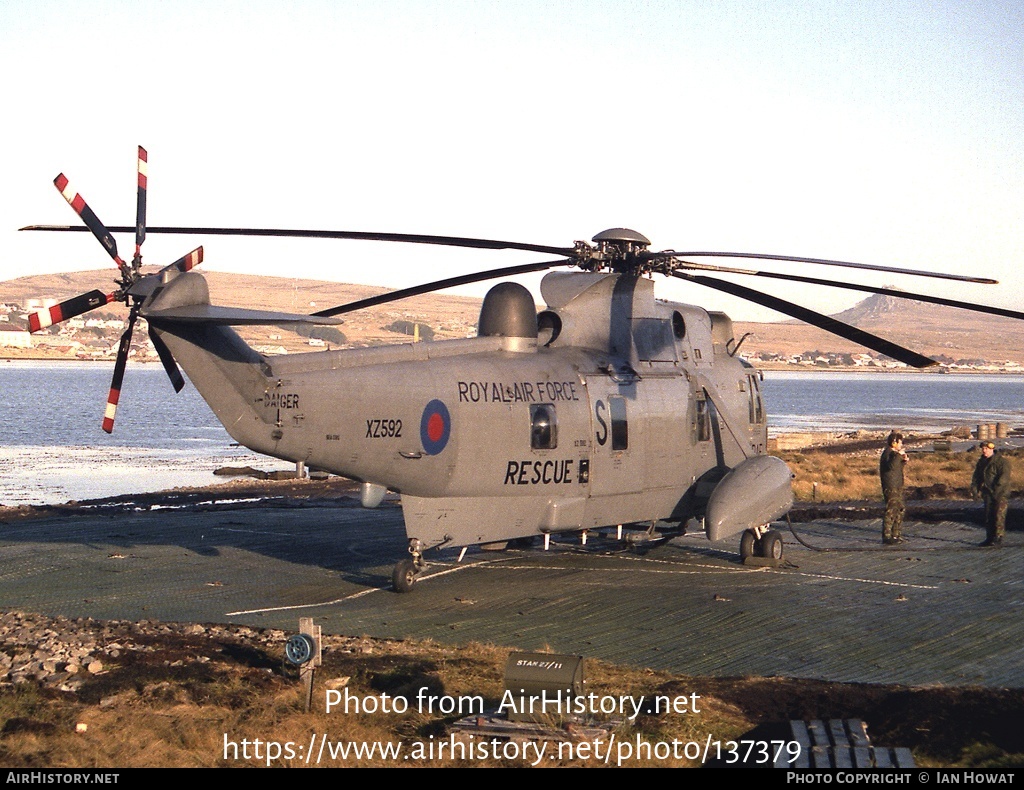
[
  {"x": 761, "y": 542},
  {"x": 403, "y": 577}
]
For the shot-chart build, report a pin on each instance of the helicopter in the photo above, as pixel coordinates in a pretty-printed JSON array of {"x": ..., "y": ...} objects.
[{"x": 607, "y": 407}]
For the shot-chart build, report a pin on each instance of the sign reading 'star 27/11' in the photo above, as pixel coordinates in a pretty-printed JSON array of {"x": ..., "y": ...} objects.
[{"x": 517, "y": 391}]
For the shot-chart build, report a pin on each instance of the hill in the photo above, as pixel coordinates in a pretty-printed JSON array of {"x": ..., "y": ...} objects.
[
  {"x": 447, "y": 316},
  {"x": 944, "y": 333}
]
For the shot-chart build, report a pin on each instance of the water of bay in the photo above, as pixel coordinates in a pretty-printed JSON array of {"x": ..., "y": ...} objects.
[
  {"x": 52, "y": 449},
  {"x": 928, "y": 402}
]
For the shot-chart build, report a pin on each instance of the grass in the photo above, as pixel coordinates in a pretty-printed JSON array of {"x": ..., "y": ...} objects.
[
  {"x": 176, "y": 700},
  {"x": 823, "y": 475},
  {"x": 193, "y": 703}
]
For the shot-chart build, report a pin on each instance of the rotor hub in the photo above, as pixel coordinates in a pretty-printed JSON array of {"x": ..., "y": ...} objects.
[{"x": 620, "y": 249}]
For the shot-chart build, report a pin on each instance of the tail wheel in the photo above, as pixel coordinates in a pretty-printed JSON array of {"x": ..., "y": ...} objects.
[
  {"x": 404, "y": 576},
  {"x": 772, "y": 545}
]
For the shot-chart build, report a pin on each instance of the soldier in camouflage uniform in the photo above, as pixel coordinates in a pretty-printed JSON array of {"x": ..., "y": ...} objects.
[
  {"x": 992, "y": 481},
  {"x": 890, "y": 469}
]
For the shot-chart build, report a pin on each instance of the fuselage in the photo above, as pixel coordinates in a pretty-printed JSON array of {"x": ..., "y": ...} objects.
[{"x": 619, "y": 412}]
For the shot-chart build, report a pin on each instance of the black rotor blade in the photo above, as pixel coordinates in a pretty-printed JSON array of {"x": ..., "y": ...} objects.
[
  {"x": 118, "y": 379},
  {"x": 69, "y": 308},
  {"x": 823, "y": 261},
  {"x": 829, "y": 324},
  {"x": 167, "y": 359},
  {"x": 140, "y": 205},
  {"x": 439, "y": 285},
  {"x": 973, "y": 306},
  {"x": 408, "y": 238}
]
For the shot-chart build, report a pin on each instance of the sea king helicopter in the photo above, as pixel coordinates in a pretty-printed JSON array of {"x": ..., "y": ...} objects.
[{"x": 607, "y": 407}]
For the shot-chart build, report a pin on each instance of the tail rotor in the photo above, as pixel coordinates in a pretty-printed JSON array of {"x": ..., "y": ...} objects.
[{"x": 134, "y": 286}]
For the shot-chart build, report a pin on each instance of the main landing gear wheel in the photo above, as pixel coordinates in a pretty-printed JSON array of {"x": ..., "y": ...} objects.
[
  {"x": 771, "y": 545},
  {"x": 748, "y": 545}
]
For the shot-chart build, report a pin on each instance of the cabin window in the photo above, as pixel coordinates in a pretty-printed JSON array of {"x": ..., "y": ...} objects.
[
  {"x": 702, "y": 423},
  {"x": 620, "y": 427},
  {"x": 543, "y": 427}
]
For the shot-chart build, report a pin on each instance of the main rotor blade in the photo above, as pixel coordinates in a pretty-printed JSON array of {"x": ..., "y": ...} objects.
[
  {"x": 167, "y": 359},
  {"x": 822, "y": 261},
  {"x": 973, "y": 306},
  {"x": 140, "y": 205},
  {"x": 829, "y": 324},
  {"x": 407, "y": 238},
  {"x": 439, "y": 285},
  {"x": 92, "y": 222},
  {"x": 119, "y": 365},
  {"x": 69, "y": 308}
]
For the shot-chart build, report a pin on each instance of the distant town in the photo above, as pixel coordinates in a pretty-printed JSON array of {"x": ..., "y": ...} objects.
[{"x": 834, "y": 359}]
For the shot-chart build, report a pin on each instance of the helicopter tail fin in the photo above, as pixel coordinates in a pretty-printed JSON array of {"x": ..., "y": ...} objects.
[{"x": 229, "y": 374}]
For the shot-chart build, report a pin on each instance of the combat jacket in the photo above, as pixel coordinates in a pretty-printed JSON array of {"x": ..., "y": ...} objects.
[
  {"x": 992, "y": 476},
  {"x": 890, "y": 468}
]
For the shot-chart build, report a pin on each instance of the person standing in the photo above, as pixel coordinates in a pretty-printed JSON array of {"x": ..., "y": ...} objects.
[
  {"x": 890, "y": 469},
  {"x": 992, "y": 481}
]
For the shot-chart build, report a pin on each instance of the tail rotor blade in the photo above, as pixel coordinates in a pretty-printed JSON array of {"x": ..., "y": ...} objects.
[
  {"x": 92, "y": 222},
  {"x": 167, "y": 359},
  {"x": 118, "y": 379},
  {"x": 69, "y": 308},
  {"x": 186, "y": 262},
  {"x": 140, "y": 206}
]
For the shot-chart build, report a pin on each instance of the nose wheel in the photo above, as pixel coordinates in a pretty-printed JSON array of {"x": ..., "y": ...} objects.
[{"x": 403, "y": 577}]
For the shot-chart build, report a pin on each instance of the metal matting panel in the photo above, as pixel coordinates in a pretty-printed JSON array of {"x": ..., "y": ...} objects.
[{"x": 938, "y": 610}]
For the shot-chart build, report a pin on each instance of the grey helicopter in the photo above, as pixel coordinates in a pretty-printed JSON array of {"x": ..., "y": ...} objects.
[{"x": 607, "y": 407}]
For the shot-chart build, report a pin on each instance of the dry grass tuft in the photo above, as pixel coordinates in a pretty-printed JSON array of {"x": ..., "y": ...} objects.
[
  {"x": 154, "y": 709},
  {"x": 821, "y": 474}
]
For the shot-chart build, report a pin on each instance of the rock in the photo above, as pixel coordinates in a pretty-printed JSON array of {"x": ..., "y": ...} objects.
[{"x": 240, "y": 471}]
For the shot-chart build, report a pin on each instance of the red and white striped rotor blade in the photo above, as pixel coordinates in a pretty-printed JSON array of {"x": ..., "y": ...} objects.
[
  {"x": 186, "y": 262},
  {"x": 92, "y": 222},
  {"x": 115, "y": 383},
  {"x": 69, "y": 308},
  {"x": 140, "y": 204}
]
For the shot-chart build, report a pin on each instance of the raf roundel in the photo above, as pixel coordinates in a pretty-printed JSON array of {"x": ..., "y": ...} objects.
[{"x": 435, "y": 427}]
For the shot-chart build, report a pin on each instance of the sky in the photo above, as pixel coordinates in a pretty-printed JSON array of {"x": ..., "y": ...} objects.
[{"x": 890, "y": 133}]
